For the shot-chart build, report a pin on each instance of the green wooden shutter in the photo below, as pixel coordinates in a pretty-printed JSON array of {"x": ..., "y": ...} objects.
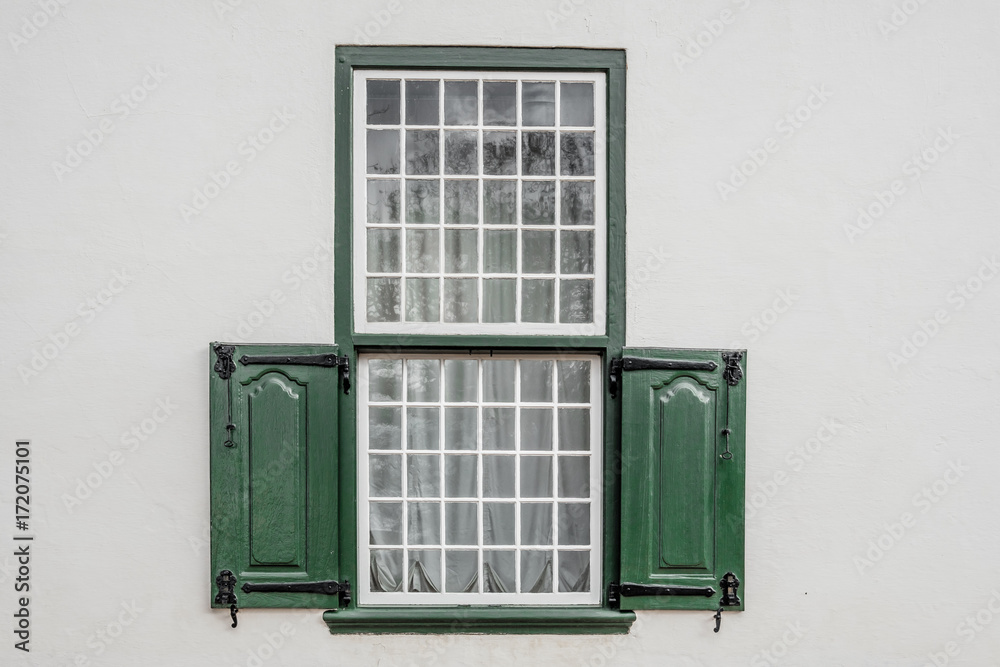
[
  {"x": 682, "y": 496},
  {"x": 273, "y": 473}
]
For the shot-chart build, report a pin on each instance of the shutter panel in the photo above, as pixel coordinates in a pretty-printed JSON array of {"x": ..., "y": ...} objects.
[
  {"x": 273, "y": 473},
  {"x": 682, "y": 496}
]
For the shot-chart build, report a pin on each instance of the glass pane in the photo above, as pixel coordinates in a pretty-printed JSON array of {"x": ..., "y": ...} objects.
[
  {"x": 385, "y": 428},
  {"x": 536, "y": 429},
  {"x": 498, "y": 476},
  {"x": 386, "y": 570},
  {"x": 423, "y": 523},
  {"x": 576, "y": 150},
  {"x": 576, "y": 104},
  {"x": 574, "y": 381},
  {"x": 574, "y": 523},
  {"x": 536, "y": 571},
  {"x": 383, "y": 250},
  {"x": 576, "y": 251},
  {"x": 499, "y": 103},
  {"x": 383, "y": 152},
  {"x": 538, "y": 301},
  {"x": 461, "y": 428},
  {"x": 574, "y": 429},
  {"x": 499, "y": 202},
  {"x": 421, "y": 102},
  {"x": 422, "y": 250},
  {"x": 424, "y": 574},
  {"x": 461, "y": 380},
  {"x": 538, "y": 203},
  {"x": 499, "y": 300},
  {"x": 385, "y": 476},
  {"x": 498, "y": 572},
  {"x": 538, "y": 103},
  {"x": 577, "y": 203},
  {"x": 385, "y": 523},
  {"x": 574, "y": 571},
  {"x": 461, "y": 300},
  {"x": 461, "y": 476},
  {"x": 385, "y": 379},
  {"x": 461, "y": 251},
  {"x": 383, "y": 202},
  {"x": 499, "y": 251},
  {"x": 536, "y": 476},
  {"x": 383, "y": 102},
  {"x": 536, "y": 381},
  {"x": 423, "y": 380},
  {"x": 538, "y": 153},
  {"x": 461, "y": 202},
  {"x": 498, "y": 381},
  {"x": 461, "y": 152},
  {"x": 498, "y": 523},
  {"x": 461, "y": 103},
  {"x": 500, "y": 153},
  {"x": 423, "y": 476},
  {"x": 382, "y": 301},
  {"x": 423, "y": 202},
  {"x": 423, "y": 300},
  {"x": 461, "y": 523},
  {"x": 461, "y": 572},
  {"x": 539, "y": 251},
  {"x": 574, "y": 476},
  {"x": 422, "y": 428},
  {"x": 576, "y": 301},
  {"x": 422, "y": 152},
  {"x": 498, "y": 428},
  {"x": 536, "y": 523}
]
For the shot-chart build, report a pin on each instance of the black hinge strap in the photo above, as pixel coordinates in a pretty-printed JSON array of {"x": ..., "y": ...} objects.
[
  {"x": 324, "y": 360},
  {"x": 324, "y": 587},
  {"x": 644, "y": 364},
  {"x": 633, "y": 590}
]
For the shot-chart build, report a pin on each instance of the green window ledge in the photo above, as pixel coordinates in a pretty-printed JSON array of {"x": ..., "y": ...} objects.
[{"x": 496, "y": 621}]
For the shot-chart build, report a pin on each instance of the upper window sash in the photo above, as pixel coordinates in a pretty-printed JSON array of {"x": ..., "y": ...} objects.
[{"x": 468, "y": 219}]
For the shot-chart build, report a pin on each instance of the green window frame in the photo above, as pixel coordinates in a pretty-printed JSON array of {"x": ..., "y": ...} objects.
[{"x": 683, "y": 412}]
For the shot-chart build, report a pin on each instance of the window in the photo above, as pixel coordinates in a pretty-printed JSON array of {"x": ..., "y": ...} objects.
[{"x": 478, "y": 452}]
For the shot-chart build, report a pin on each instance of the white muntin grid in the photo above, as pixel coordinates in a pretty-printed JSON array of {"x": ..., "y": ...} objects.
[
  {"x": 405, "y": 228},
  {"x": 594, "y": 498}
]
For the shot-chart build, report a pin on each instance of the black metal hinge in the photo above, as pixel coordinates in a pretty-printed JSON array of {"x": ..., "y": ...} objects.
[
  {"x": 342, "y": 588},
  {"x": 617, "y": 591},
  {"x": 225, "y": 581},
  {"x": 324, "y": 360},
  {"x": 644, "y": 364}
]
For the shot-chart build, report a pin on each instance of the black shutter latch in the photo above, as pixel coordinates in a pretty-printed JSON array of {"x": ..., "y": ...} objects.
[{"x": 226, "y": 582}]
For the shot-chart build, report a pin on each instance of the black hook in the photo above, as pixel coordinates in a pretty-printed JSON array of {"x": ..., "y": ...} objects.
[
  {"x": 718, "y": 619},
  {"x": 233, "y": 610},
  {"x": 726, "y": 455}
]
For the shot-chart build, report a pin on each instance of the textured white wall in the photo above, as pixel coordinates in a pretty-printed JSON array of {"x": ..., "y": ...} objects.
[{"x": 703, "y": 271}]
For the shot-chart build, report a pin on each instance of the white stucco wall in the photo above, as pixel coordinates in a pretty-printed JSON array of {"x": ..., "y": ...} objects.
[{"x": 702, "y": 272}]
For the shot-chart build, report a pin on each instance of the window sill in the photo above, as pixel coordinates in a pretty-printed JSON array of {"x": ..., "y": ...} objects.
[{"x": 467, "y": 620}]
